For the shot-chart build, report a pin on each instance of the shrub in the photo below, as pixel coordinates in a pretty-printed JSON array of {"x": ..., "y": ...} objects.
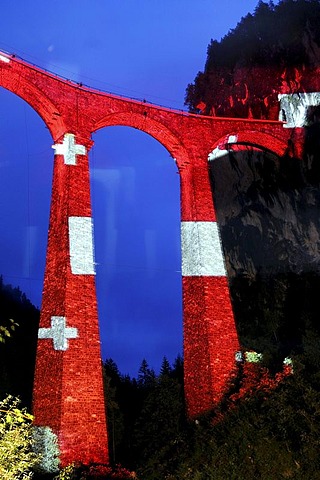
[
  {"x": 95, "y": 472},
  {"x": 16, "y": 455}
]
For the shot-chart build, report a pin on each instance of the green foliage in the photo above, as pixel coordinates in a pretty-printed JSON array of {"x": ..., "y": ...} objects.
[
  {"x": 146, "y": 375},
  {"x": 16, "y": 455},
  {"x": 94, "y": 472},
  {"x": 123, "y": 402},
  {"x": 70, "y": 472},
  {"x": 144, "y": 415},
  {"x": 274, "y": 33},
  {"x": 159, "y": 427},
  {"x": 268, "y": 435},
  {"x": 5, "y": 331},
  {"x": 115, "y": 420},
  {"x": 165, "y": 368}
]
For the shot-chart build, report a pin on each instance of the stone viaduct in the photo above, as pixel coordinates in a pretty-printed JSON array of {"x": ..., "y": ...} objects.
[{"x": 68, "y": 389}]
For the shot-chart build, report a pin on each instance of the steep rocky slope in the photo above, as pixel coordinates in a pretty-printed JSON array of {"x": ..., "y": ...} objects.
[
  {"x": 275, "y": 50},
  {"x": 268, "y": 211},
  {"x": 268, "y": 207}
]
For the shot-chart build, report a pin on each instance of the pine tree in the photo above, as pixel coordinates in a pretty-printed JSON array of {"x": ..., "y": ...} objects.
[
  {"x": 146, "y": 375},
  {"x": 165, "y": 368}
]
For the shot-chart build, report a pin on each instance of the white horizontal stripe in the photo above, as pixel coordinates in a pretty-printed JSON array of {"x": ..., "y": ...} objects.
[
  {"x": 201, "y": 250},
  {"x": 81, "y": 245}
]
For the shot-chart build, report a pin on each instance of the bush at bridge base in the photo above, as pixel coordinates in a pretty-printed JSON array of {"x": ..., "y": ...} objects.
[
  {"x": 95, "y": 472},
  {"x": 16, "y": 455}
]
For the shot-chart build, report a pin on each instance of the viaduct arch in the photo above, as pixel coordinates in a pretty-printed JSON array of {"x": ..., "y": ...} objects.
[{"x": 68, "y": 390}]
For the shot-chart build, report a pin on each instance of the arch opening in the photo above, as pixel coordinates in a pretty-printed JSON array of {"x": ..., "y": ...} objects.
[
  {"x": 144, "y": 123},
  {"x": 136, "y": 211}
]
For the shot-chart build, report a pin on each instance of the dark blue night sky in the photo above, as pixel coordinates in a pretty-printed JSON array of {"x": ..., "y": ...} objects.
[{"x": 146, "y": 49}]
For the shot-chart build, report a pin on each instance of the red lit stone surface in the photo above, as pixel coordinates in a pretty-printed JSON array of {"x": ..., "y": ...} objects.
[
  {"x": 210, "y": 342},
  {"x": 68, "y": 392}
]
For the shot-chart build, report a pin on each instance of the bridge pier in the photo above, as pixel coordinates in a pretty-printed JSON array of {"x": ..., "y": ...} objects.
[
  {"x": 68, "y": 389},
  {"x": 210, "y": 336}
]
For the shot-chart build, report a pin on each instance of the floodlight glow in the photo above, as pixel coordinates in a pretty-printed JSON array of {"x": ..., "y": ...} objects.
[
  {"x": 4, "y": 59},
  {"x": 232, "y": 138}
]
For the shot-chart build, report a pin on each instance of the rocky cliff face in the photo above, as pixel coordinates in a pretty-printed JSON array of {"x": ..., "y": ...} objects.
[
  {"x": 274, "y": 51},
  {"x": 268, "y": 211},
  {"x": 249, "y": 92},
  {"x": 268, "y": 207}
]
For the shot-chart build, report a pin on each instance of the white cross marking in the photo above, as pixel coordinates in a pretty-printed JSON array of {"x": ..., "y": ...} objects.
[
  {"x": 59, "y": 333},
  {"x": 69, "y": 149}
]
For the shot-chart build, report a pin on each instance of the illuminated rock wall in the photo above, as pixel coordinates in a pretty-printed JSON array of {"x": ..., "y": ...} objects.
[{"x": 250, "y": 92}]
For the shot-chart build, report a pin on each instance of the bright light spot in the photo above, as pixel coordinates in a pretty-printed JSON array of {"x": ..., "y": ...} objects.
[
  {"x": 253, "y": 357},
  {"x": 238, "y": 356},
  {"x": 217, "y": 153},
  {"x": 287, "y": 361},
  {"x": 4, "y": 59},
  {"x": 232, "y": 139}
]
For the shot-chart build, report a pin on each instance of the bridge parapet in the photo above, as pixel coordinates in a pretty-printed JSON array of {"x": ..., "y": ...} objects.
[{"x": 67, "y": 106}]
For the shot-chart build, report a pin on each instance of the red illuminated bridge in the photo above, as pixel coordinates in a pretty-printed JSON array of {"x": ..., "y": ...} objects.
[{"x": 68, "y": 391}]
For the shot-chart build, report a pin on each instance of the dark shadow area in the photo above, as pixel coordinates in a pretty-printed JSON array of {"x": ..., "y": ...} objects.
[
  {"x": 274, "y": 51},
  {"x": 18, "y": 352},
  {"x": 267, "y": 209}
]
